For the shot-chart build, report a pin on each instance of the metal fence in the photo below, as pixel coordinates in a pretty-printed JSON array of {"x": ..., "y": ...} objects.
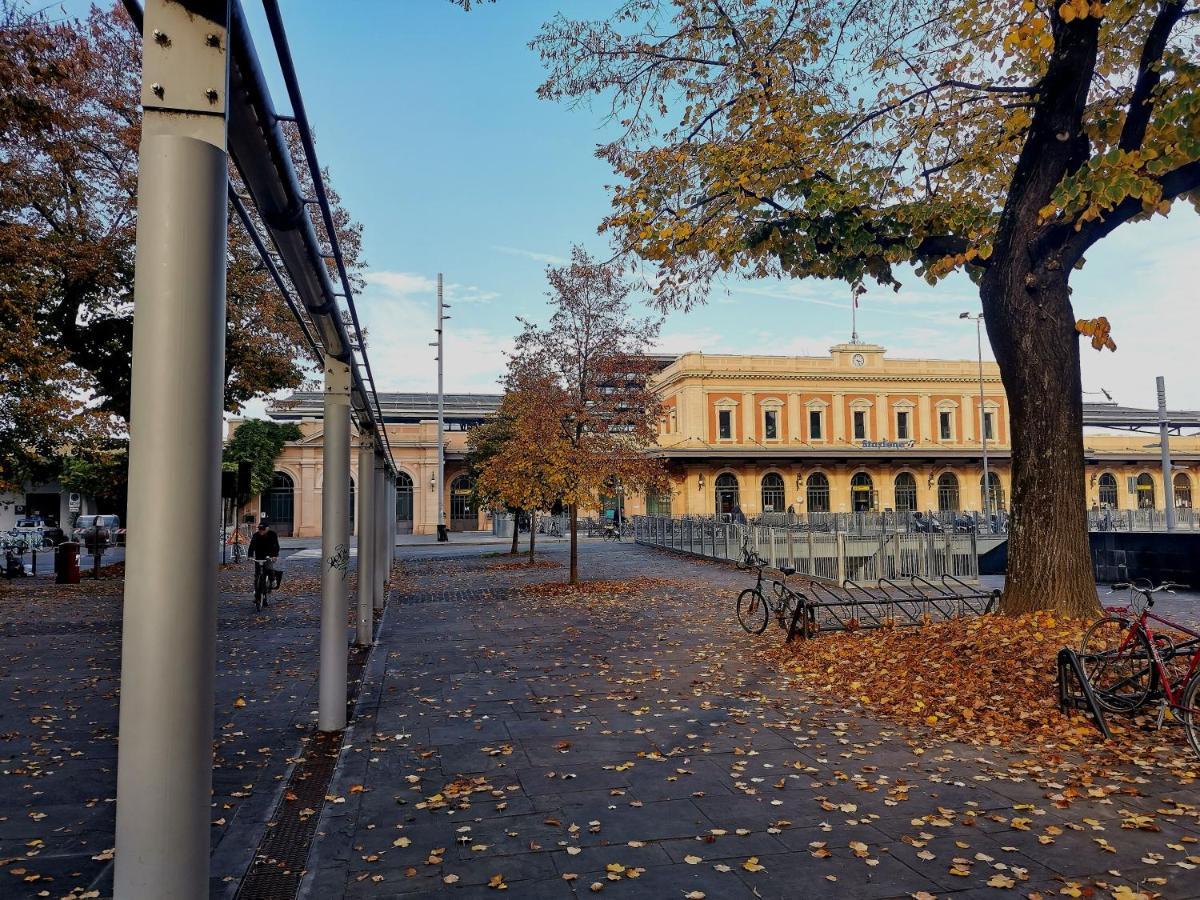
[
  {"x": 1141, "y": 520},
  {"x": 824, "y": 555}
]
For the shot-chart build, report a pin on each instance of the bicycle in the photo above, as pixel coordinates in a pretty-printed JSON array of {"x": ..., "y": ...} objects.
[
  {"x": 612, "y": 533},
  {"x": 1129, "y": 663},
  {"x": 263, "y": 581},
  {"x": 754, "y": 607}
]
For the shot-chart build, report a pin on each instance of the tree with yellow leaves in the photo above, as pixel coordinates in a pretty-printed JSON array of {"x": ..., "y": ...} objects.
[
  {"x": 585, "y": 384},
  {"x": 517, "y": 455},
  {"x": 841, "y": 138}
]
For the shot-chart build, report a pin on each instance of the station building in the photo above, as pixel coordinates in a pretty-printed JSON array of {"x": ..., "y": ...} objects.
[{"x": 851, "y": 431}]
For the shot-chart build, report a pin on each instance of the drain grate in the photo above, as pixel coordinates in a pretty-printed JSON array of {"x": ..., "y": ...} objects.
[
  {"x": 282, "y": 854},
  {"x": 469, "y": 595}
]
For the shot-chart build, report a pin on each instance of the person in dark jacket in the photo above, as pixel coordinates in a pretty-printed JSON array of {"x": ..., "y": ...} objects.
[{"x": 265, "y": 545}]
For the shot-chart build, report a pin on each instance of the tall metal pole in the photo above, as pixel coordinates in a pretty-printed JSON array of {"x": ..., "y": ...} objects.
[
  {"x": 987, "y": 480},
  {"x": 169, "y": 626},
  {"x": 335, "y": 547},
  {"x": 1163, "y": 429},
  {"x": 366, "y": 541},
  {"x": 441, "y": 431}
]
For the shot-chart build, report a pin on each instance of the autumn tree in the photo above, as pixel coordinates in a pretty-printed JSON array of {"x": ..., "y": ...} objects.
[
  {"x": 591, "y": 364},
  {"x": 70, "y": 125},
  {"x": 485, "y": 442},
  {"x": 526, "y": 467},
  {"x": 258, "y": 442},
  {"x": 842, "y": 138}
]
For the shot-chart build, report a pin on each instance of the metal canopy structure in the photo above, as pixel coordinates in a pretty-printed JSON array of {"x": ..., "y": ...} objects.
[
  {"x": 259, "y": 151},
  {"x": 1113, "y": 415},
  {"x": 204, "y": 100}
]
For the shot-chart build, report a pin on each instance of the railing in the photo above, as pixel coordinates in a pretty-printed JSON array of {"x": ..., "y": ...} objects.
[
  {"x": 827, "y": 556},
  {"x": 1141, "y": 520}
]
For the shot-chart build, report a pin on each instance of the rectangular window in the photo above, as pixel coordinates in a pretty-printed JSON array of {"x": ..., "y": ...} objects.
[
  {"x": 902, "y": 426},
  {"x": 989, "y": 431},
  {"x": 860, "y": 425},
  {"x": 771, "y": 425},
  {"x": 725, "y": 424},
  {"x": 945, "y": 425},
  {"x": 814, "y": 425}
]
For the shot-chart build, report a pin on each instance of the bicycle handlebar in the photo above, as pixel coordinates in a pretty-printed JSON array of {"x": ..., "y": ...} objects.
[{"x": 1165, "y": 586}]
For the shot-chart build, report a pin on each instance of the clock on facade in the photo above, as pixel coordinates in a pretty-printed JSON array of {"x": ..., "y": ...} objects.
[{"x": 858, "y": 360}]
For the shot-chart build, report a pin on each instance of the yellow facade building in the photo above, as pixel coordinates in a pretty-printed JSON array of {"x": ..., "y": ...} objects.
[{"x": 851, "y": 431}]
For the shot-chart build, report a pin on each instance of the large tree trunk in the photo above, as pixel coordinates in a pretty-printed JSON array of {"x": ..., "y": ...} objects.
[
  {"x": 532, "y": 531},
  {"x": 1032, "y": 329},
  {"x": 516, "y": 532},
  {"x": 1031, "y": 326},
  {"x": 574, "y": 577}
]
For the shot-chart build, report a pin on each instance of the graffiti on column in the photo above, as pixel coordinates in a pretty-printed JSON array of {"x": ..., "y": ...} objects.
[{"x": 340, "y": 559}]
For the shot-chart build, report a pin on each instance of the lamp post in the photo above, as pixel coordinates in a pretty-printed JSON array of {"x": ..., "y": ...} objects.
[
  {"x": 987, "y": 480},
  {"x": 441, "y": 432}
]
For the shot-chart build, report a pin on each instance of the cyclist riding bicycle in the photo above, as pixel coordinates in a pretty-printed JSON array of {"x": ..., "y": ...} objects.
[{"x": 264, "y": 546}]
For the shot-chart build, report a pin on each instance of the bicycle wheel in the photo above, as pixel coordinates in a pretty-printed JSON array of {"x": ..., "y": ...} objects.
[
  {"x": 1116, "y": 657},
  {"x": 1191, "y": 712},
  {"x": 752, "y": 611}
]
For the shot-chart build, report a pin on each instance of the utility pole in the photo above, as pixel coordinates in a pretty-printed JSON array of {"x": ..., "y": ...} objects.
[
  {"x": 1163, "y": 428},
  {"x": 169, "y": 630},
  {"x": 441, "y": 437}
]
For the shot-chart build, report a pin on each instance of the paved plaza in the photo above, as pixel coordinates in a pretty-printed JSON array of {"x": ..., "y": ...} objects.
[
  {"x": 564, "y": 746},
  {"x": 510, "y": 737}
]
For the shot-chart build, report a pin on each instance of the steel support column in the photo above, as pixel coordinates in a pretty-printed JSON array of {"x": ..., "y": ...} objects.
[
  {"x": 335, "y": 547},
  {"x": 380, "y": 537},
  {"x": 164, "y": 769},
  {"x": 366, "y": 541}
]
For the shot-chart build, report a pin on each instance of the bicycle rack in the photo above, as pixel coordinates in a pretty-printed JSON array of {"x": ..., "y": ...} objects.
[{"x": 1070, "y": 666}]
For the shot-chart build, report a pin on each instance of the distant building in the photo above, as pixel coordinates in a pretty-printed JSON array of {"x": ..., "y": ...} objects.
[{"x": 850, "y": 431}]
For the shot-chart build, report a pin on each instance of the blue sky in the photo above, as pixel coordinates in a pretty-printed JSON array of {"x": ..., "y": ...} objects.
[{"x": 427, "y": 118}]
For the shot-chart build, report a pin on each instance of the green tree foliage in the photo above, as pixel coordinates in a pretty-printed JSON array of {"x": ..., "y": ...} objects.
[
  {"x": 842, "y": 138},
  {"x": 258, "y": 442}
]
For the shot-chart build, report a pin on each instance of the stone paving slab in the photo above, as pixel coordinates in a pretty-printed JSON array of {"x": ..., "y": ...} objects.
[
  {"x": 646, "y": 747},
  {"x": 59, "y": 673}
]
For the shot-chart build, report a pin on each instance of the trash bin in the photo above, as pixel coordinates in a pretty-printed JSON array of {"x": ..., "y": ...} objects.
[{"x": 66, "y": 563}]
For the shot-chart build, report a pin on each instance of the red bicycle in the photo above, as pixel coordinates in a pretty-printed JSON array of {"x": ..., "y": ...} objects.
[{"x": 1130, "y": 662}]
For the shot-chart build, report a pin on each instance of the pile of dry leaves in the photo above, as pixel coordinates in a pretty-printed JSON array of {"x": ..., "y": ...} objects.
[{"x": 985, "y": 680}]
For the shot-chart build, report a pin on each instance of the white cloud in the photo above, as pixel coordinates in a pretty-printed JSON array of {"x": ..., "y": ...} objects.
[
  {"x": 400, "y": 327},
  {"x": 535, "y": 255},
  {"x": 704, "y": 341},
  {"x": 402, "y": 283},
  {"x": 413, "y": 284}
]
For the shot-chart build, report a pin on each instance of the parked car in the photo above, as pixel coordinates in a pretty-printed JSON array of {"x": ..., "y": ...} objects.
[
  {"x": 36, "y": 532},
  {"x": 103, "y": 528}
]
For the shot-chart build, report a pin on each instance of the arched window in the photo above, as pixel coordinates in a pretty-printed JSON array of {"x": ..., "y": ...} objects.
[
  {"x": 1145, "y": 491},
  {"x": 1108, "y": 491},
  {"x": 726, "y": 493},
  {"x": 462, "y": 513},
  {"x": 906, "y": 492},
  {"x": 279, "y": 503},
  {"x": 772, "y": 493},
  {"x": 862, "y": 493},
  {"x": 947, "y": 487},
  {"x": 1183, "y": 491},
  {"x": 404, "y": 503},
  {"x": 995, "y": 499},
  {"x": 818, "y": 493}
]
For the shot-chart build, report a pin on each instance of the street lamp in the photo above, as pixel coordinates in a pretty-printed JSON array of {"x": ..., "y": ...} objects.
[{"x": 987, "y": 480}]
